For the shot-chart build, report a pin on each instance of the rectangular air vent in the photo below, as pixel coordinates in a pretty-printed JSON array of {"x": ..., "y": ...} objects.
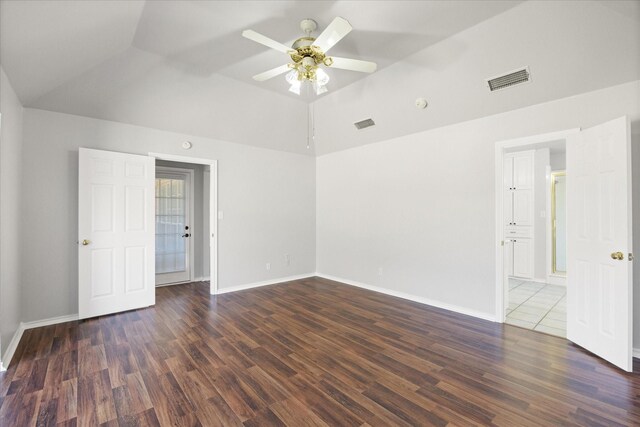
[
  {"x": 364, "y": 124},
  {"x": 512, "y": 78}
]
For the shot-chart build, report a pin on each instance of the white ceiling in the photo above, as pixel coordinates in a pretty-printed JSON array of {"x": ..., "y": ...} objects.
[
  {"x": 184, "y": 66},
  {"x": 202, "y": 38},
  {"x": 44, "y": 44},
  {"x": 571, "y": 47}
]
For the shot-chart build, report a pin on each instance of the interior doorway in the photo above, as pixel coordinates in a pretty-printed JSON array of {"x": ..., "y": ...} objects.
[
  {"x": 203, "y": 220},
  {"x": 599, "y": 273},
  {"x": 175, "y": 222},
  {"x": 535, "y": 236},
  {"x": 529, "y": 293}
]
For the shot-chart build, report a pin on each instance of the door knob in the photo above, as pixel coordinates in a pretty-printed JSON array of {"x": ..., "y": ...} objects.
[
  {"x": 186, "y": 235},
  {"x": 617, "y": 255},
  {"x": 85, "y": 242}
]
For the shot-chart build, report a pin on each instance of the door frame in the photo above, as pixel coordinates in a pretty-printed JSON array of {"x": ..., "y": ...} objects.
[
  {"x": 189, "y": 173},
  {"x": 500, "y": 147},
  {"x": 213, "y": 209}
]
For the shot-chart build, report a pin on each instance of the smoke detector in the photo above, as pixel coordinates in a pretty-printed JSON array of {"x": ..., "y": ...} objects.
[{"x": 421, "y": 103}]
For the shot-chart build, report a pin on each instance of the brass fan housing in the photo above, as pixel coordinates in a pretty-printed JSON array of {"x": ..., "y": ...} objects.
[{"x": 303, "y": 48}]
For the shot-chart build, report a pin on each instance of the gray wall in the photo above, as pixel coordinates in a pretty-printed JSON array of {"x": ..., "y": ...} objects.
[
  {"x": 200, "y": 227},
  {"x": 378, "y": 205},
  {"x": 10, "y": 215},
  {"x": 558, "y": 161},
  {"x": 267, "y": 196},
  {"x": 422, "y": 207}
]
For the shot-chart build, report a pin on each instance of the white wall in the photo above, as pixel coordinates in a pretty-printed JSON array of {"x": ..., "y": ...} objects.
[
  {"x": 10, "y": 227},
  {"x": 422, "y": 206},
  {"x": 541, "y": 161},
  {"x": 268, "y": 200}
]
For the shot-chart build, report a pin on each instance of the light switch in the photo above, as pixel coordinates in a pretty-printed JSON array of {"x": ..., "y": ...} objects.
[{"x": 220, "y": 215}]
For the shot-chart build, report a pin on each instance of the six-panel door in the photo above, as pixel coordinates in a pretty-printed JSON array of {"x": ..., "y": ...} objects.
[
  {"x": 599, "y": 287},
  {"x": 116, "y": 233}
]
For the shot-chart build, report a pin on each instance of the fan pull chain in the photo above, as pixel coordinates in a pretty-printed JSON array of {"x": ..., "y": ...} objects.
[
  {"x": 311, "y": 129},
  {"x": 313, "y": 124},
  {"x": 309, "y": 126}
]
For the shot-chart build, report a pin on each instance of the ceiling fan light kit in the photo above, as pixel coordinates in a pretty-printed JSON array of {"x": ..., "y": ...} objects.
[{"x": 309, "y": 56}]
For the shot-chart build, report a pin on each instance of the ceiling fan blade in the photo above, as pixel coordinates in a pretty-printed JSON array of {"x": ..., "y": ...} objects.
[
  {"x": 264, "y": 40},
  {"x": 353, "y": 65},
  {"x": 331, "y": 35},
  {"x": 271, "y": 73}
]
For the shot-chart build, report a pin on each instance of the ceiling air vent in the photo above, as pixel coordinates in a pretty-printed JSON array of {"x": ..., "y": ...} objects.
[
  {"x": 364, "y": 124},
  {"x": 512, "y": 78}
]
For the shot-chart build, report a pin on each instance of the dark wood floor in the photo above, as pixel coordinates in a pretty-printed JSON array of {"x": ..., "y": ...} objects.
[{"x": 309, "y": 352}]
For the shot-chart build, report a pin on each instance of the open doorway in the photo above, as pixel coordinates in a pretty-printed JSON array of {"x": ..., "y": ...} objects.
[
  {"x": 535, "y": 236},
  {"x": 181, "y": 228},
  {"x": 186, "y": 220},
  {"x": 531, "y": 185}
]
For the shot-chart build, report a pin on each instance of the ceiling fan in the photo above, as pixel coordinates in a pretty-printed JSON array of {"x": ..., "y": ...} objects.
[{"x": 309, "y": 54}]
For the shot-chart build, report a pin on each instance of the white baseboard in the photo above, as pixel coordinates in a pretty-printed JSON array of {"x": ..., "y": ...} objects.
[
  {"x": 202, "y": 279},
  {"x": 636, "y": 353},
  {"x": 13, "y": 344},
  {"x": 265, "y": 283},
  {"x": 557, "y": 280},
  {"x": 421, "y": 300},
  {"x": 50, "y": 321}
]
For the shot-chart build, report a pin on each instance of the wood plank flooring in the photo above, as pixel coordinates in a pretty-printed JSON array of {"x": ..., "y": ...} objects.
[{"x": 306, "y": 353}]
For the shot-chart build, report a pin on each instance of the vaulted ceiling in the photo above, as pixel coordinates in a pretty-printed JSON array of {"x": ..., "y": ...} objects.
[{"x": 184, "y": 66}]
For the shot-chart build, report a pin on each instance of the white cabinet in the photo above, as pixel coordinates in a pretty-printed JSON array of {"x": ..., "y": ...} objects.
[
  {"x": 522, "y": 212},
  {"x": 522, "y": 258},
  {"x": 518, "y": 187},
  {"x": 519, "y": 257},
  {"x": 523, "y": 170},
  {"x": 519, "y": 213},
  {"x": 508, "y": 172},
  {"x": 508, "y": 262}
]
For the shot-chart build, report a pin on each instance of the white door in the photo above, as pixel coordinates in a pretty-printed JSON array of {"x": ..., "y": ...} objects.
[
  {"x": 599, "y": 287},
  {"x": 115, "y": 232},
  {"x": 173, "y": 225}
]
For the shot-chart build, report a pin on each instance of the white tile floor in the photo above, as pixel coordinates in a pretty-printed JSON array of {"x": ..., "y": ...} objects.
[{"x": 538, "y": 306}]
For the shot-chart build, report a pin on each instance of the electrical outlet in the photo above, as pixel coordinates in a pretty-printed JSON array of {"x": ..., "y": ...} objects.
[
  {"x": 287, "y": 259},
  {"x": 380, "y": 271},
  {"x": 268, "y": 266}
]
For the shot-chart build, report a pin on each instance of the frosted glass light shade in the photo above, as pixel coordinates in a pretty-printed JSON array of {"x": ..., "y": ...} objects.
[{"x": 322, "y": 78}]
